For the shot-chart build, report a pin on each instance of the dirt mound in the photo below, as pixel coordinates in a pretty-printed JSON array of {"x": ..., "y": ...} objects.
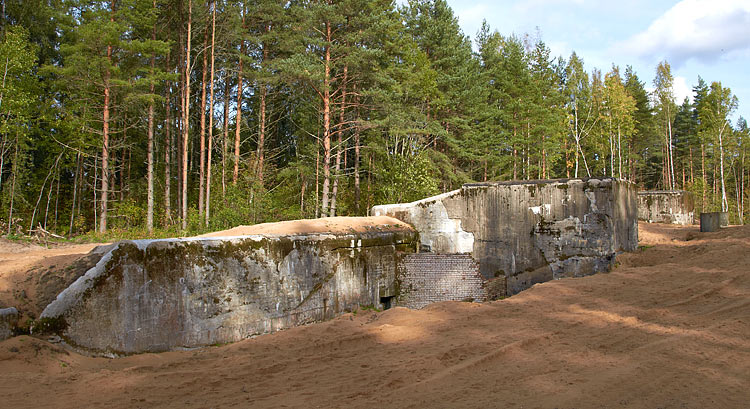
[
  {"x": 10, "y": 246},
  {"x": 31, "y": 278},
  {"x": 670, "y": 327},
  {"x": 325, "y": 225}
]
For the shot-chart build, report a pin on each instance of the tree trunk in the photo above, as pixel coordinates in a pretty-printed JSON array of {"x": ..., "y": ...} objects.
[
  {"x": 57, "y": 200},
  {"x": 202, "y": 161},
  {"x": 724, "y": 202},
  {"x": 261, "y": 133},
  {"x": 96, "y": 170},
  {"x": 41, "y": 192},
  {"x": 238, "y": 117},
  {"x": 49, "y": 196},
  {"x": 123, "y": 154},
  {"x": 317, "y": 180},
  {"x": 179, "y": 119},
  {"x": 339, "y": 144},
  {"x": 262, "y": 130},
  {"x": 544, "y": 159},
  {"x": 13, "y": 186},
  {"x": 150, "y": 148},
  {"x": 210, "y": 116},
  {"x": 671, "y": 154},
  {"x": 75, "y": 193},
  {"x": 168, "y": 158},
  {"x": 703, "y": 172},
  {"x": 515, "y": 153},
  {"x": 326, "y": 121},
  {"x": 357, "y": 143},
  {"x": 619, "y": 152},
  {"x": 225, "y": 136},
  {"x": 691, "y": 165},
  {"x": 186, "y": 118},
  {"x": 302, "y": 195},
  {"x": 105, "y": 148}
]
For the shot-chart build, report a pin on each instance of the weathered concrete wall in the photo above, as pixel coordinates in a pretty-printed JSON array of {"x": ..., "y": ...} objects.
[
  {"x": 531, "y": 231},
  {"x": 425, "y": 278},
  {"x": 157, "y": 295},
  {"x": 439, "y": 231},
  {"x": 8, "y": 322},
  {"x": 666, "y": 206}
]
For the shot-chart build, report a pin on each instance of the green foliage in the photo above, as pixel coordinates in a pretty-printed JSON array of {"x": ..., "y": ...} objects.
[
  {"x": 405, "y": 179},
  {"x": 416, "y": 111}
]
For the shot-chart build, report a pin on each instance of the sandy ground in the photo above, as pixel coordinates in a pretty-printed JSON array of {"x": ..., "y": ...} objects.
[
  {"x": 31, "y": 276},
  {"x": 669, "y": 328},
  {"x": 325, "y": 225}
]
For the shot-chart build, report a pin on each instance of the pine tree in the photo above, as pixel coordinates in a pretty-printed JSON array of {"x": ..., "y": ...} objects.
[
  {"x": 715, "y": 111},
  {"x": 17, "y": 60}
]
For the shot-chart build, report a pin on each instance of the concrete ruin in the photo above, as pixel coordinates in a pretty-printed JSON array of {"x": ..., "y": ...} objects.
[
  {"x": 483, "y": 241},
  {"x": 159, "y": 295},
  {"x": 666, "y": 206},
  {"x": 528, "y": 232},
  {"x": 8, "y": 322}
]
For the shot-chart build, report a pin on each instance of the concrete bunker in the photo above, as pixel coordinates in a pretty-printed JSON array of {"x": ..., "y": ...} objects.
[
  {"x": 483, "y": 241},
  {"x": 666, "y": 206},
  {"x": 526, "y": 232},
  {"x": 159, "y": 295}
]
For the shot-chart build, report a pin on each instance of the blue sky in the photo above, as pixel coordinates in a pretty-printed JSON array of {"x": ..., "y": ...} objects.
[{"x": 710, "y": 38}]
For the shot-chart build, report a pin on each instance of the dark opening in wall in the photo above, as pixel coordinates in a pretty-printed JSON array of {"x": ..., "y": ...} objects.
[{"x": 387, "y": 302}]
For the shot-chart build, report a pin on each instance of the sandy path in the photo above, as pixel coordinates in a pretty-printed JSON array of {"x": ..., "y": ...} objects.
[{"x": 669, "y": 328}]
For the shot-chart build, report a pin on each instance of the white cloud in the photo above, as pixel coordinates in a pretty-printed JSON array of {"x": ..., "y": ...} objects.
[
  {"x": 682, "y": 90},
  {"x": 704, "y": 30},
  {"x": 471, "y": 17},
  {"x": 560, "y": 49}
]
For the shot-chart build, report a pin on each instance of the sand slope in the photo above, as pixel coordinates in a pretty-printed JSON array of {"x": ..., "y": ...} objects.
[
  {"x": 669, "y": 328},
  {"x": 31, "y": 276},
  {"x": 325, "y": 225}
]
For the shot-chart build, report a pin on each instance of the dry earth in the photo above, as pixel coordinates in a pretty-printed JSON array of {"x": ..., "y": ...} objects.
[
  {"x": 324, "y": 225},
  {"x": 669, "y": 328},
  {"x": 31, "y": 276}
]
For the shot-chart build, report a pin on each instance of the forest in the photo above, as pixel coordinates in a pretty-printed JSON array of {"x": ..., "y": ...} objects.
[{"x": 137, "y": 118}]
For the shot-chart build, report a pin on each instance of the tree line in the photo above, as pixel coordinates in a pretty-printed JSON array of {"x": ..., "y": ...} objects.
[{"x": 187, "y": 115}]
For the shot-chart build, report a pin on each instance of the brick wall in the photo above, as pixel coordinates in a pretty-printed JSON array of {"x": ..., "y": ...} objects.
[{"x": 426, "y": 278}]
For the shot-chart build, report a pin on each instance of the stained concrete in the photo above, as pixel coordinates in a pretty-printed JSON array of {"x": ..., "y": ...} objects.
[
  {"x": 8, "y": 322},
  {"x": 158, "y": 295},
  {"x": 710, "y": 222},
  {"x": 666, "y": 206},
  {"x": 531, "y": 231}
]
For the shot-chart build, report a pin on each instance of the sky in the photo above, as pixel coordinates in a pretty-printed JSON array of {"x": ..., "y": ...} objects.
[{"x": 707, "y": 38}]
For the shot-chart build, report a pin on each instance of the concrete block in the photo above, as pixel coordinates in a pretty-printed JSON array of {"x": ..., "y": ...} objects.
[
  {"x": 666, "y": 206},
  {"x": 159, "y": 295},
  {"x": 723, "y": 219},
  {"x": 528, "y": 231},
  {"x": 710, "y": 221},
  {"x": 8, "y": 322}
]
